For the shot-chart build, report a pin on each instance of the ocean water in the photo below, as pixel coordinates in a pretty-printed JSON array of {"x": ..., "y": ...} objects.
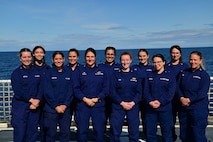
[{"x": 10, "y": 60}]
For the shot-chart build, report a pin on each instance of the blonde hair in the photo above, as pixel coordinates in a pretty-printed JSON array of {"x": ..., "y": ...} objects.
[{"x": 201, "y": 57}]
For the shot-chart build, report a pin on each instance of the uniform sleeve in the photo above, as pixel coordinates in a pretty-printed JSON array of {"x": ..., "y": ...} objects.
[
  {"x": 48, "y": 91},
  {"x": 40, "y": 95},
  {"x": 105, "y": 88},
  {"x": 203, "y": 88},
  {"x": 77, "y": 85},
  {"x": 113, "y": 92},
  {"x": 178, "y": 89},
  {"x": 147, "y": 93},
  {"x": 40, "y": 91},
  {"x": 145, "y": 88},
  {"x": 20, "y": 92},
  {"x": 139, "y": 89},
  {"x": 69, "y": 95},
  {"x": 165, "y": 99}
]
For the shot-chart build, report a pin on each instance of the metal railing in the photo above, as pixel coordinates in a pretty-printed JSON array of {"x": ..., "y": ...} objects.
[
  {"x": 6, "y": 94},
  {"x": 210, "y": 94}
]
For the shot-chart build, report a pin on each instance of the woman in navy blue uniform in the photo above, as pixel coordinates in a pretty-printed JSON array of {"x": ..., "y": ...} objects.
[
  {"x": 26, "y": 84},
  {"x": 90, "y": 88},
  {"x": 143, "y": 56},
  {"x": 126, "y": 93},
  {"x": 143, "y": 68},
  {"x": 39, "y": 59},
  {"x": 193, "y": 93},
  {"x": 41, "y": 68},
  {"x": 162, "y": 86},
  {"x": 176, "y": 66},
  {"x": 111, "y": 66},
  {"x": 58, "y": 93},
  {"x": 39, "y": 62},
  {"x": 73, "y": 57}
]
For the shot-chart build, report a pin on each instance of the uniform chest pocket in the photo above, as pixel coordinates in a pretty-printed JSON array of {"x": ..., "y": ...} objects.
[
  {"x": 151, "y": 81},
  {"x": 119, "y": 83},
  {"x": 54, "y": 82},
  {"x": 195, "y": 83},
  {"x": 67, "y": 80},
  {"x": 84, "y": 79},
  {"x": 133, "y": 83},
  {"x": 163, "y": 82},
  {"x": 25, "y": 82}
]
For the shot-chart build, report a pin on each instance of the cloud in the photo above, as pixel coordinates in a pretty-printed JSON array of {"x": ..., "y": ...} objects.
[
  {"x": 185, "y": 38},
  {"x": 188, "y": 33},
  {"x": 211, "y": 25},
  {"x": 105, "y": 27}
]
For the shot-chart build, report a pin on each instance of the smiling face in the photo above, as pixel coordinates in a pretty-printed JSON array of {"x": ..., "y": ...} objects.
[
  {"x": 195, "y": 61},
  {"x": 58, "y": 60},
  {"x": 73, "y": 57},
  {"x": 126, "y": 62},
  {"x": 39, "y": 54},
  {"x": 158, "y": 64},
  {"x": 26, "y": 58},
  {"x": 90, "y": 59},
  {"x": 110, "y": 56},
  {"x": 175, "y": 55},
  {"x": 143, "y": 57}
]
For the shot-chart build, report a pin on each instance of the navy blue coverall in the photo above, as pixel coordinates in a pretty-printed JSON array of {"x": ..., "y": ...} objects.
[
  {"x": 140, "y": 68},
  {"x": 127, "y": 87},
  {"x": 176, "y": 69},
  {"x": 26, "y": 84},
  {"x": 73, "y": 103},
  {"x": 58, "y": 91},
  {"x": 194, "y": 118},
  {"x": 90, "y": 83},
  {"x": 41, "y": 70},
  {"x": 110, "y": 69},
  {"x": 162, "y": 88}
]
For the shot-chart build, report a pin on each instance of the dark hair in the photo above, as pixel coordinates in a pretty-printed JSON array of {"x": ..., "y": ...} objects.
[
  {"x": 110, "y": 48},
  {"x": 126, "y": 53},
  {"x": 178, "y": 48},
  {"x": 90, "y": 49},
  {"x": 38, "y": 46},
  {"x": 57, "y": 52},
  {"x": 74, "y": 50},
  {"x": 24, "y": 50},
  {"x": 160, "y": 56},
  {"x": 201, "y": 57},
  {"x": 34, "y": 49},
  {"x": 143, "y": 50}
]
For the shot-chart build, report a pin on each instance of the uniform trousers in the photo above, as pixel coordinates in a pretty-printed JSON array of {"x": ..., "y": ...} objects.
[
  {"x": 193, "y": 123},
  {"x": 24, "y": 122},
  {"x": 51, "y": 121},
  {"x": 82, "y": 118},
  {"x": 164, "y": 119},
  {"x": 117, "y": 120}
]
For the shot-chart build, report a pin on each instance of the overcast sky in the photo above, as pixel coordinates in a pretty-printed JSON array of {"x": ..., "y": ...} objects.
[{"x": 124, "y": 24}]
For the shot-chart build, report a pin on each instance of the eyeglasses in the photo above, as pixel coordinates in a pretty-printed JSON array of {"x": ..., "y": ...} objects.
[{"x": 158, "y": 62}]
